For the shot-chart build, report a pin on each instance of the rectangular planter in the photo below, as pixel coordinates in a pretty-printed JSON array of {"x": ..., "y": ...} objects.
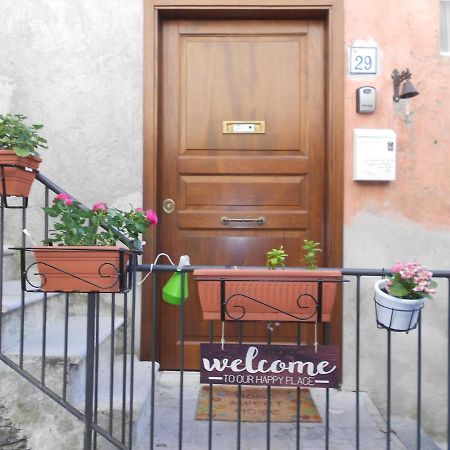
[
  {"x": 252, "y": 294},
  {"x": 19, "y": 173},
  {"x": 80, "y": 269}
]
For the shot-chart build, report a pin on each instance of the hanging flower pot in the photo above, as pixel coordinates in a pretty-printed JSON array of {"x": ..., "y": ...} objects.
[
  {"x": 17, "y": 173},
  {"x": 400, "y": 298},
  {"x": 268, "y": 295},
  {"x": 396, "y": 314},
  {"x": 19, "y": 157},
  {"x": 80, "y": 269}
]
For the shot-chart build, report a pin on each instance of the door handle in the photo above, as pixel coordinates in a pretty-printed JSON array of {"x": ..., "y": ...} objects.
[
  {"x": 168, "y": 206},
  {"x": 259, "y": 220}
]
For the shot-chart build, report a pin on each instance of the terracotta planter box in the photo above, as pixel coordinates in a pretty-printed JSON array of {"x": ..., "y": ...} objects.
[
  {"x": 292, "y": 290},
  {"x": 18, "y": 179},
  {"x": 81, "y": 269}
]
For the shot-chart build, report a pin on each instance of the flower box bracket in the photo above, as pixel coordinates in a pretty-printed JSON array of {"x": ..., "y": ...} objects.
[
  {"x": 262, "y": 295},
  {"x": 303, "y": 301},
  {"x": 387, "y": 317},
  {"x": 77, "y": 269}
]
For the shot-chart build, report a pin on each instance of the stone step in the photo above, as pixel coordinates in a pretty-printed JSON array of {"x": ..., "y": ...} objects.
[
  {"x": 11, "y": 315},
  {"x": 405, "y": 429},
  {"x": 141, "y": 401},
  {"x": 34, "y": 309},
  {"x": 76, "y": 352},
  {"x": 48, "y": 426}
]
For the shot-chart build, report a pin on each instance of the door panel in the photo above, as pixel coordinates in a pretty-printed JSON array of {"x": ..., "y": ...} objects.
[
  {"x": 216, "y": 71},
  {"x": 225, "y": 82}
]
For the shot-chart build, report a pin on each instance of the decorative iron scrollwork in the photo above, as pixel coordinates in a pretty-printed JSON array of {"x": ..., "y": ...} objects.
[
  {"x": 100, "y": 271},
  {"x": 105, "y": 276},
  {"x": 300, "y": 301}
]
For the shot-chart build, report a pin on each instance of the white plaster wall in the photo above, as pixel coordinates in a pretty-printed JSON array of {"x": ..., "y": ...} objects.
[
  {"x": 375, "y": 241},
  {"x": 407, "y": 219},
  {"x": 76, "y": 67}
]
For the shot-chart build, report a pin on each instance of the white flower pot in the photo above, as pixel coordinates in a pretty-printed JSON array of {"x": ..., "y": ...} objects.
[{"x": 394, "y": 313}]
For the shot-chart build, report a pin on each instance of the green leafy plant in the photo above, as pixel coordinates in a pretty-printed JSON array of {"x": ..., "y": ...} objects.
[
  {"x": 78, "y": 226},
  {"x": 311, "y": 249},
  {"x": 22, "y": 139},
  {"x": 275, "y": 258}
]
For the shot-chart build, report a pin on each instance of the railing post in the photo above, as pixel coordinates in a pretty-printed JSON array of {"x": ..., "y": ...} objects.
[
  {"x": 358, "y": 354},
  {"x": 2, "y": 243},
  {"x": 388, "y": 425},
  {"x": 182, "y": 332},
  {"x": 448, "y": 360},
  {"x": 89, "y": 394}
]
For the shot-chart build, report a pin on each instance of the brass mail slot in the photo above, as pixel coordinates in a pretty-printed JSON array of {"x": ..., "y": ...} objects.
[{"x": 243, "y": 127}]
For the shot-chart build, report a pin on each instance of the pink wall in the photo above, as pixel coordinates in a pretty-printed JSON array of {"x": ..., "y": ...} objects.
[{"x": 407, "y": 34}]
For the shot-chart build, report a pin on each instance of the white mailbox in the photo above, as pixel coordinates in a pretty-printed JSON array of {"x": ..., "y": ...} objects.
[{"x": 374, "y": 154}]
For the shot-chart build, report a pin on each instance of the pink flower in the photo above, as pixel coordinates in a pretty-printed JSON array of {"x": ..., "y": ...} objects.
[
  {"x": 151, "y": 216},
  {"x": 62, "y": 196},
  {"x": 139, "y": 210},
  {"x": 100, "y": 206},
  {"x": 66, "y": 198},
  {"x": 398, "y": 267}
]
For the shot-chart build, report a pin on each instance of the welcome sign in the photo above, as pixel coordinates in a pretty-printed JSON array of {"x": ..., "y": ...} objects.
[{"x": 270, "y": 365}]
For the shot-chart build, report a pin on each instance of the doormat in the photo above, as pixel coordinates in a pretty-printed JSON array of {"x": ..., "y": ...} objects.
[{"x": 283, "y": 404}]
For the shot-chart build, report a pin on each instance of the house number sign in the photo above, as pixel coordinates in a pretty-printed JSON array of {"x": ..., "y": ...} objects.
[
  {"x": 363, "y": 60},
  {"x": 270, "y": 365}
]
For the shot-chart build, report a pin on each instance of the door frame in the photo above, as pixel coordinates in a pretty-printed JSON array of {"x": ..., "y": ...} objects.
[{"x": 331, "y": 11}]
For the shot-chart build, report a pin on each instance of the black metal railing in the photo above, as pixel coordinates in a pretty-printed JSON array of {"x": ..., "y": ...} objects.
[
  {"x": 98, "y": 311},
  {"x": 105, "y": 394},
  {"x": 355, "y": 278}
]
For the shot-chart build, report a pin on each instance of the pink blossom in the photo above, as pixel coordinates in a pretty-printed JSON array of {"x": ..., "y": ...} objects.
[
  {"x": 100, "y": 206},
  {"x": 151, "y": 216},
  {"x": 62, "y": 196},
  {"x": 414, "y": 277},
  {"x": 139, "y": 210},
  {"x": 397, "y": 267},
  {"x": 66, "y": 198}
]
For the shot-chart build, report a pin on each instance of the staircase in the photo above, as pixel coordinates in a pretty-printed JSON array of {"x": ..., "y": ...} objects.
[{"x": 65, "y": 366}]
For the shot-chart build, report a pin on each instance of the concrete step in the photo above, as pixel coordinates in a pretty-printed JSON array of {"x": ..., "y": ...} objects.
[
  {"x": 405, "y": 429},
  {"x": 34, "y": 309},
  {"x": 76, "y": 352},
  {"x": 49, "y": 427},
  {"x": 11, "y": 313},
  {"x": 141, "y": 401}
]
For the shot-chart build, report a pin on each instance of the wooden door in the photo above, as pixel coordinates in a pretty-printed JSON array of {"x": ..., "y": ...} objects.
[{"x": 211, "y": 72}]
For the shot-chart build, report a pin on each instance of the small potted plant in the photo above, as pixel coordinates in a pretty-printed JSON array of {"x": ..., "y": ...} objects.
[
  {"x": 83, "y": 255},
  {"x": 19, "y": 157},
  {"x": 311, "y": 250},
  {"x": 275, "y": 258},
  {"x": 400, "y": 297},
  {"x": 269, "y": 295}
]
